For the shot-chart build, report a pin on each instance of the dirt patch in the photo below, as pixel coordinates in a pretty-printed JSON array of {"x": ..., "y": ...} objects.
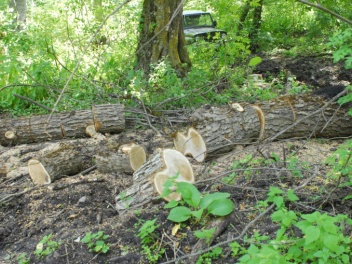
[
  {"x": 314, "y": 71},
  {"x": 73, "y": 206}
]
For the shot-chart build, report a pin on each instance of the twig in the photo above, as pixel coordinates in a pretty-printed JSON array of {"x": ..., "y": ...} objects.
[
  {"x": 11, "y": 196},
  {"x": 147, "y": 117},
  {"x": 32, "y": 101},
  {"x": 88, "y": 170},
  {"x": 326, "y": 10}
]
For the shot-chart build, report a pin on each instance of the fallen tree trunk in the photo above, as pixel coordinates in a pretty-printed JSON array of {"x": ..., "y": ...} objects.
[
  {"x": 107, "y": 118},
  {"x": 222, "y": 128}
]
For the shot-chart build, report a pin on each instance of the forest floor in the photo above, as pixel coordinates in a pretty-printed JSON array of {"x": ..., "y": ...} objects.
[{"x": 80, "y": 204}]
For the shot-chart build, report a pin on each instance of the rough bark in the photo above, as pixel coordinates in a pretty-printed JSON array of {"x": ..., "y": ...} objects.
[
  {"x": 222, "y": 128},
  {"x": 161, "y": 36},
  {"x": 20, "y": 7},
  {"x": 257, "y": 21},
  {"x": 148, "y": 180},
  {"x": 244, "y": 13},
  {"x": 56, "y": 162},
  {"x": 105, "y": 118},
  {"x": 128, "y": 159}
]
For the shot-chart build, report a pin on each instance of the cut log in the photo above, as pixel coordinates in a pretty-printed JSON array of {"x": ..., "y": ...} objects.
[
  {"x": 105, "y": 119},
  {"x": 191, "y": 144},
  {"x": 222, "y": 128},
  {"x": 148, "y": 180},
  {"x": 58, "y": 161},
  {"x": 128, "y": 159}
]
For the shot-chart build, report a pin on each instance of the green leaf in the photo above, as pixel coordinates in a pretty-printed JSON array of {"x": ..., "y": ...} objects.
[
  {"x": 190, "y": 193},
  {"x": 274, "y": 191},
  {"x": 171, "y": 204},
  {"x": 278, "y": 201},
  {"x": 205, "y": 234},
  {"x": 330, "y": 227},
  {"x": 312, "y": 234},
  {"x": 209, "y": 198},
  {"x": 291, "y": 196},
  {"x": 221, "y": 207},
  {"x": 179, "y": 214},
  {"x": 198, "y": 214},
  {"x": 331, "y": 242},
  {"x": 255, "y": 61},
  {"x": 313, "y": 217}
]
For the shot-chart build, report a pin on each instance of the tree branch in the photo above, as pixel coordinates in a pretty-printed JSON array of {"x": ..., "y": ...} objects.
[
  {"x": 325, "y": 10},
  {"x": 32, "y": 101}
]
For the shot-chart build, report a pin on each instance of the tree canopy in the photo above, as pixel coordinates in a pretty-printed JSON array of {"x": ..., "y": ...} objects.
[{"x": 99, "y": 51}]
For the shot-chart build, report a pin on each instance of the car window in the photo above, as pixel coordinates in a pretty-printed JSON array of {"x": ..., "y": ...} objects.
[{"x": 197, "y": 20}]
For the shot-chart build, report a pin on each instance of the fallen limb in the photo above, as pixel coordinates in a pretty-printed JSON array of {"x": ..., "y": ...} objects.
[
  {"x": 222, "y": 128},
  {"x": 105, "y": 119}
]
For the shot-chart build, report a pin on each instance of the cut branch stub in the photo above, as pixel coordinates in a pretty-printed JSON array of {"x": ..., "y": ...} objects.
[
  {"x": 3, "y": 169},
  {"x": 54, "y": 163},
  {"x": 128, "y": 159},
  {"x": 191, "y": 144},
  {"x": 149, "y": 179}
]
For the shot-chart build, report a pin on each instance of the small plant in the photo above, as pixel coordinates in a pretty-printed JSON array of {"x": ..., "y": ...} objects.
[
  {"x": 207, "y": 258},
  {"x": 46, "y": 246},
  {"x": 22, "y": 259},
  {"x": 216, "y": 204},
  {"x": 205, "y": 234},
  {"x": 96, "y": 242},
  {"x": 150, "y": 241},
  {"x": 341, "y": 165}
]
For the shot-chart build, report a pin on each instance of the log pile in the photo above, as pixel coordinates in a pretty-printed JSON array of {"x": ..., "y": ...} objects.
[{"x": 212, "y": 131}]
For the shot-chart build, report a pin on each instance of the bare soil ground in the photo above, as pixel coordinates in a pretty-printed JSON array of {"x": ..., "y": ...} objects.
[{"x": 79, "y": 204}]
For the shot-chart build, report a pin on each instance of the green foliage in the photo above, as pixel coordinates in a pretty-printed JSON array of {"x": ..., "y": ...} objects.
[
  {"x": 341, "y": 165},
  {"x": 347, "y": 98},
  {"x": 46, "y": 246},
  {"x": 96, "y": 242},
  {"x": 150, "y": 241},
  {"x": 205, "y": 234},
  {"x": 322, "y": 239},
  {"x": 207, "y": 257},
  {"x": 341, "y": 42},
  {"x": 22, "y": 259},
  {"x": 216, "y": 204}
]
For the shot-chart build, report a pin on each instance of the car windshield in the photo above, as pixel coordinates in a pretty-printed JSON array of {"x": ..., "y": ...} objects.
[{"x": 197, "y": 20}]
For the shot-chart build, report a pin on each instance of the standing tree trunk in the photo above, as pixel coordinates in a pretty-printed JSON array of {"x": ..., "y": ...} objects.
[
  {"x": 161, "y": 36},
  {"x": 257, "y": 21},
  {"x": 20, "y": 7},
  {"x": 243, "y": 17}
]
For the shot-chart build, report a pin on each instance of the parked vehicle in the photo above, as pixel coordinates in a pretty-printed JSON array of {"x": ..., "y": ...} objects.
[{"x": 200, "y": 25}]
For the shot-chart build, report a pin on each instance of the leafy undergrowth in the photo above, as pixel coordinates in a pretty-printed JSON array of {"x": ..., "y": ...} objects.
[{"x": 290, "y": 200}]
